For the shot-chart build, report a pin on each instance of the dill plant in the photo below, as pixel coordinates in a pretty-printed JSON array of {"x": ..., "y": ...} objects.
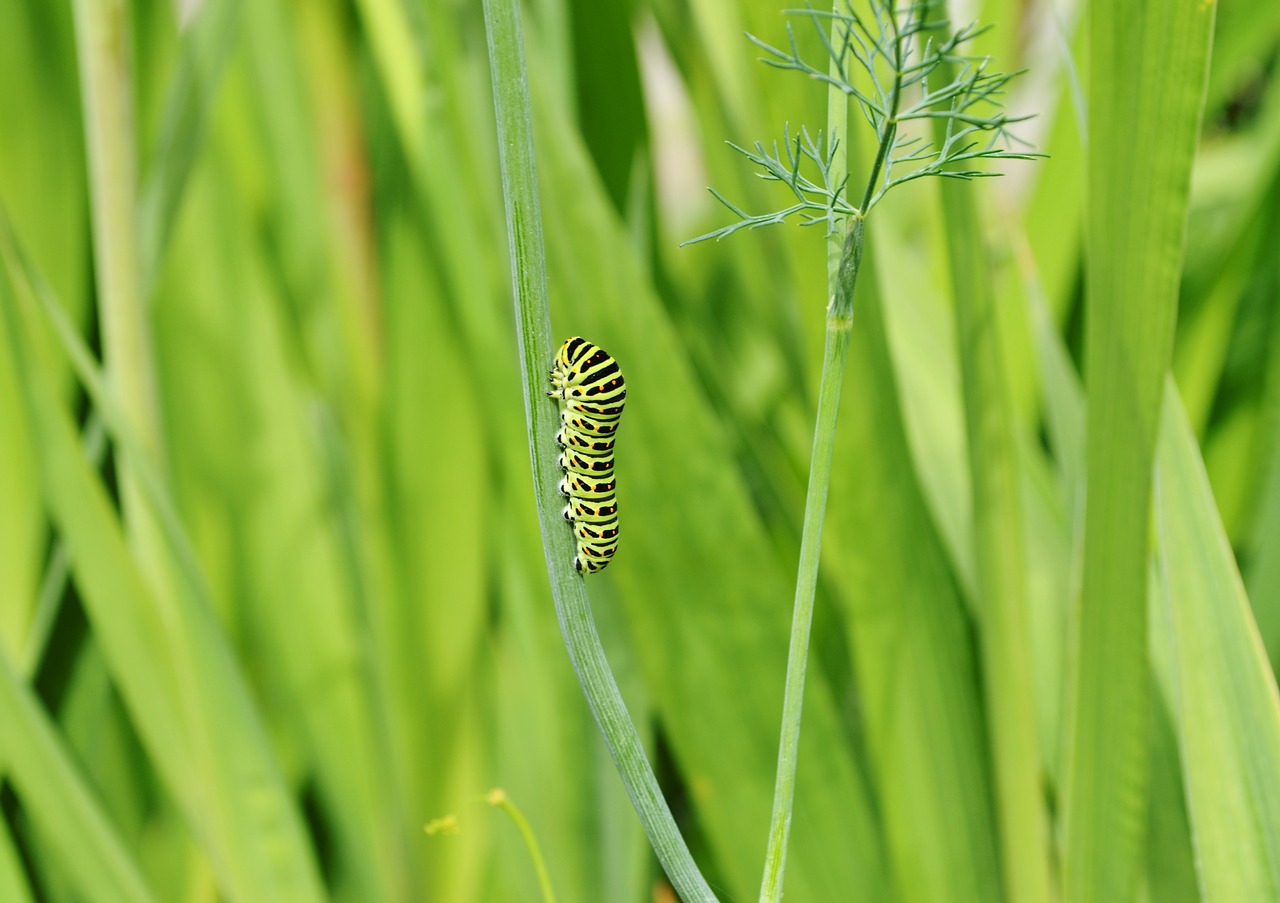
[{"x": 901, "y": 66}]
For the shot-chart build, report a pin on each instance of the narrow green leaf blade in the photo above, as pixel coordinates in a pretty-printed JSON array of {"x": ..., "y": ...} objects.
[
  {"x": 1148, "y": 69},
  {"x": 1228, "y": 706},
  {"x": 909, "y": 633},
  {"x": 60, "y": 803},
  {"x": 1001, "y": 559},
  {"x": 185, "y": 694},
  {"x": 42, "y": 186},
  {"x": 13, "y": 885},
  {"x": 206, "y": 44}
]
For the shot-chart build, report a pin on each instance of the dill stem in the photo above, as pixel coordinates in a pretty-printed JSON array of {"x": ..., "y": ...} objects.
[
  {"x": 835, "y": 355},
  {"x": 890, "y": 132}
]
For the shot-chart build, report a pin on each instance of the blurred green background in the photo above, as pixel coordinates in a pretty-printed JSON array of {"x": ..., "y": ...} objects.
[{"x": 299, "y": 202}]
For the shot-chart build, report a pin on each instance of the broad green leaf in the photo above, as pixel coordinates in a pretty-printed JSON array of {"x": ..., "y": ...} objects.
[
  {"x": 1171, "y": 860},
  {"x": 1228, "y": 708},
  {"x": 922, "y": 337},
  {"x": 1148, "y": 65},
  {"x": 610, "y": 114},
  {"x": 1248, "y": 30},
  {"x": 1170, "y": 871},
  {"x": 438, "y": 517},
  {"x": 19, "y": 513}
]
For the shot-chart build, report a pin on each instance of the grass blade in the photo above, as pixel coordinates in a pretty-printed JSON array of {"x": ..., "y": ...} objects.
[
  {"x": 206, "y": 44},
  {"x": 1263, "y": 576},
  {"x": 101, "y": 30},
  {"x": 60, "y": 803},
  {"x": 533, "y": 316},
  {"x": 189, "y": 703},
  {"x": 1228, "y": 716},
  {"x": 42, "y": 185},
  {"x": 910, "y": 637},
  {"x": 13, "y": 883},
  {"x": 1148, "y": 71},
  {"x": 998, "y": 538}
]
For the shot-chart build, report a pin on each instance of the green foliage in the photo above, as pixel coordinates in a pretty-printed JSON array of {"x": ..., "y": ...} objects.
[
  {"x": 885, "y": 61},
  {"x": 304, "y": 609},
  {"x": 1143, "y": 137}
]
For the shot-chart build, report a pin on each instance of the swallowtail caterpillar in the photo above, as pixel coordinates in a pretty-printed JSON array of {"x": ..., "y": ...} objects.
[{"x": 589, "y": 384}]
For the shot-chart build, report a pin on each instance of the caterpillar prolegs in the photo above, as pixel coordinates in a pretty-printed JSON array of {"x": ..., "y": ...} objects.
[{"x": 591, "y": 389}]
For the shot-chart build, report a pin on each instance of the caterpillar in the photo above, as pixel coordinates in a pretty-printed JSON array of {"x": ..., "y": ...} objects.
[{"x": 589, "y": 383}]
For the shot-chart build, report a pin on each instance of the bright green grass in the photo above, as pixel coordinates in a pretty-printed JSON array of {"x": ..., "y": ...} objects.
[{"x": 1050, "y": 574}]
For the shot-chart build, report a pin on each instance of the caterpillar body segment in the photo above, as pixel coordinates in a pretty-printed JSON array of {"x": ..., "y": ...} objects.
[
  {"x": 587, "y": 426},
  {"x": 581, "y": 486},
  {"x": 588, "y": 465},
  {"x": 592, "y": 391},
  {"x": 586, "y": 443}
]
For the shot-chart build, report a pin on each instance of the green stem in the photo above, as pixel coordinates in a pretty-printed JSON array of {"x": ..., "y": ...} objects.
[
  {"x": 533, "y": 331},
  {"x": 835, "y": 354},
  {"x": 498, "y": 797},
  {"x": 102, "y": 29},
  {"x": 890, "y": 129}
]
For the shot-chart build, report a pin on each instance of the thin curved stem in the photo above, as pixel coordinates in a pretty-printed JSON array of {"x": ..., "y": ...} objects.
[
  {"x": 498, "y": 797},
  {"x": 533, "y": 331}
]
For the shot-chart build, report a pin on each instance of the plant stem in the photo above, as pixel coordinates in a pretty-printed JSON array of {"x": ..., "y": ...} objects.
[
  {"x": 835, "y": 354},
  {"x": 498, "y": 797},
  {"x": 890, "y": 131},
  {"x": 533, "y": 332},
  {"x": 102, "y": 30}
]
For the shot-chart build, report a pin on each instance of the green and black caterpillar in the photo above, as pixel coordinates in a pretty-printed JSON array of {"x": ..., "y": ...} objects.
[{"x": 589, "y": 383}]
